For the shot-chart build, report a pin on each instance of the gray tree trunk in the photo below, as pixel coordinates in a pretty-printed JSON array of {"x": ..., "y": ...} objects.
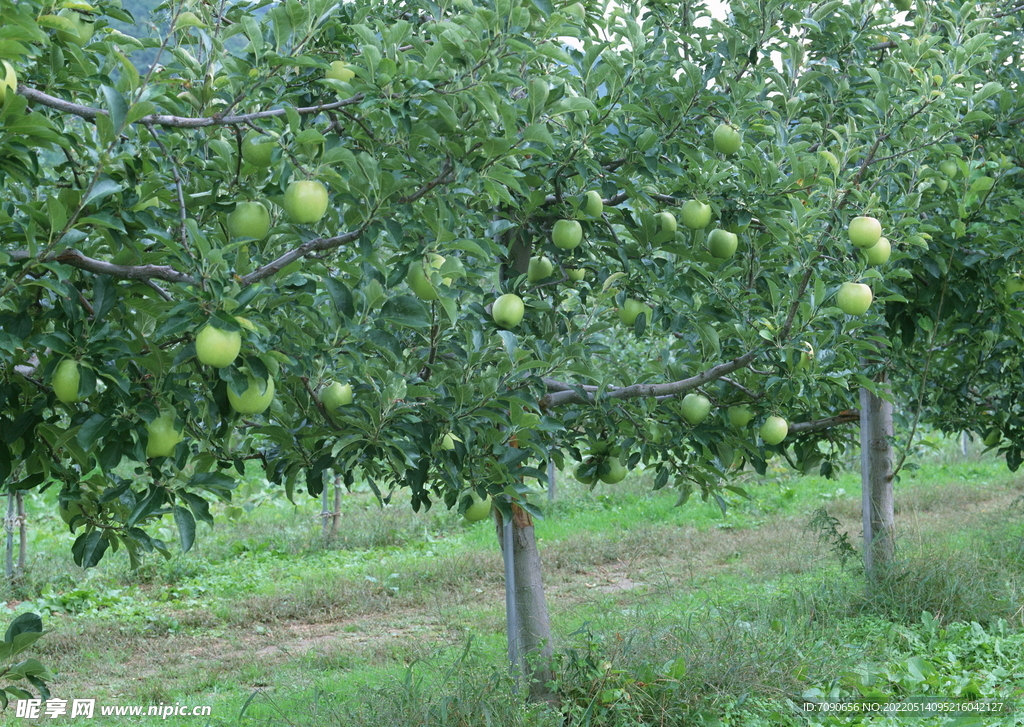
[
  {"x": 534, "y": 637},
  {"x": 9, "y": 528},
  {"x": 876, "y": 431},
  {"x": 22, "y": 532},
  {"x": 336, "y": 515}
]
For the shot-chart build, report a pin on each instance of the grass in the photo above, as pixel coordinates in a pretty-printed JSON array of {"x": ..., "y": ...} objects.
[{"x": 662, "y": 615}]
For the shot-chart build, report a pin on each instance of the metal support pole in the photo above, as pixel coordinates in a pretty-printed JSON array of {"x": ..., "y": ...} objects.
[{"x": 551, "y": 480}]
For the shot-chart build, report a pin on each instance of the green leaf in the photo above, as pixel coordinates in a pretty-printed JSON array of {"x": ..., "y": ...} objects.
[
  {"x": 406, "y": 311},
  {"x": 116, "y": 105},
  {"x": 89, "y": 548},
  {"x": 101, "y": 190},
  {"x": 340, "y": 296},
  {"x": 186, "y": 527},
  {"x": 989, "y": 89},
  {"x": 23, "y": 624},
  {"x": 93, "y": 429}
]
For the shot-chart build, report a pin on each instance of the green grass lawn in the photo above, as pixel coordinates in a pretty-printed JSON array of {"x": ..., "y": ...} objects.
[{"x": 662, "y": 615}]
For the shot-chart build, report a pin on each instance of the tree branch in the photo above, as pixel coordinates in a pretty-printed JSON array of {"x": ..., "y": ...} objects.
[
  {"x": 76, "y": 259},
  {"x": 1009, "y": 11},
  {"x": 444, "y": 177},
  {"x": 316, "y": 245},
  {"x": 616, "y": 199},
  {"x": 181, "y": 122},
  {"x": 569, "y": 396},
  {"x": 816, "y": 425}
]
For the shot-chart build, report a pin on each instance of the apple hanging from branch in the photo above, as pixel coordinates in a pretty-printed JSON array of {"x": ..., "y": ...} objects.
[
  {"x": 864, "y": 231},
  {"x": 306, "y": 201},
  {"x": 854, "y": 299},
  {"x": 507, "y": 311},
  {"x": 727, "y": 139},
  {"x": 695, "y": 215}
]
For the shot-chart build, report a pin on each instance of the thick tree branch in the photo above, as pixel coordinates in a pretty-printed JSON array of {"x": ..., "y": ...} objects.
[
  {"x": 181, "y": 122},
  {"x": 76, "y": 259},
  {"x": 816, "y": 425},
  {"x": 569, "y": 396},
  {"x": 318, "y": 244}
]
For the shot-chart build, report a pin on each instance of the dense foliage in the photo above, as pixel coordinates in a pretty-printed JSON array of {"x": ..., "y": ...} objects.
[{"x": 466, "y": 131}]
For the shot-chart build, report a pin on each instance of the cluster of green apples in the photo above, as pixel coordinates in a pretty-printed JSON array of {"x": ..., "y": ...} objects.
[
  {"x": 507, "y": 310},
  {"x": 305, "y": 200},
  {"x": 164, "y": 433},
  {"x": 865, "y": 233},
  {"x": 696, "y": 407}
]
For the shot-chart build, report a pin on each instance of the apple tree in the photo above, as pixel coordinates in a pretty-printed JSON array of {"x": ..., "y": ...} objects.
[{"x": 435, "y": 245}]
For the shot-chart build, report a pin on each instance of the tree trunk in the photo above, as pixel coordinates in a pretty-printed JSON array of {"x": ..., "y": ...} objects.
[
  {"x": 534, "y": 637},
  {"x": 22, "y": 532},
  {"x": 336, "y": 514},
  {"x": 9, "y": 528},
  {"x": 876, "y": 431}
]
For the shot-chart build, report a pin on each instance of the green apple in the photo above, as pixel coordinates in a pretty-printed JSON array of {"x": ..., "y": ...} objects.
[
  {"x": 903, "y": 5},
  {"x": 335, "y": 394},
  {"x": 949, "y": 167},
  {"x": 305, "y": 201},
  {"x": 774, "y": 430},
  {"x": 864, "y": 231},
  {"x": 163, "y": 436},
  {"x": 249, "y": 219},
  {"x": 478, "y": 509},
  {"x": 695, "y": 408},
  {"x": 340, "y": 71},
  {"x": 567, "y": 234},
  {"x": 727, "y": 139},
  {"x": 992, "y": 438},
  {"x": 667, "y": 222},
  {"x": 878, "y": 254},
  {"x": 9, "y": 82},
  {"x": 740, "y": 416},
  {"x": 577, "y": 12},
  {"x": 255, "y": 399},
  {"x": 540, "y": 267},
  {"x": 722, "y": 243},
  {"x": 575, "y": 274},
  {"x": 631, "y": 310},
  {"x": 854, "y": 299},
  {"x": 419, "y": 276},
  {"x": 507, "y": 311},
  {"x": 593, "y": 205},
  {"x": 257, "y": 148},
  {"x": 66, "y": 379},
  {"x": 81, "y": 24},
  {"x": 612, "y": 471},
  {"x": 695, "y": 215},
  {"x": 217, "y": 347}
]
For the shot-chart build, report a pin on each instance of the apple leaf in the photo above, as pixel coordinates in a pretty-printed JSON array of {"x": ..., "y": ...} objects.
[
  {"x": 186, "y": 527},
  {"x": 405, "y": 311}
]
